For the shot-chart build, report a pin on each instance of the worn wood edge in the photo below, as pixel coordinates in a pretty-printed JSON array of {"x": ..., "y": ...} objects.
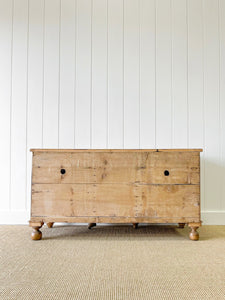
[
  {"x": 116, "y": 150},
  {"x": 36, "y": 223},
  {"x": 101, "y": 219},
  {"x": 195, "y": 224},
  {"x": 140, "y": 183}
]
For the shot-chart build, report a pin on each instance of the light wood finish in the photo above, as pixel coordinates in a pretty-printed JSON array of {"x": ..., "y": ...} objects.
[
  {"x": 132, "y": 200},
  {"x": 36, "y": 234},
  {"x": 194, "y": 235},
  {"x": 115, "y": 150},
  {"x": 122, "y": 220},
  {"x": 50, "y": 224},
  {"x": 124, "y": 167},
  {"x": 107, "y": 186}
]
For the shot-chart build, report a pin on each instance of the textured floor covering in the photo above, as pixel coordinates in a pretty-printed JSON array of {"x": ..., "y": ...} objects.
[{"x": 112, "y": 262}]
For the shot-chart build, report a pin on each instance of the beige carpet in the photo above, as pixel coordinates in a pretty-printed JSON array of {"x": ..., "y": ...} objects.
[{"x": 112, "y": 262}]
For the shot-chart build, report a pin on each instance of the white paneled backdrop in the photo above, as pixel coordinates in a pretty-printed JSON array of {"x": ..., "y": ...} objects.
[{"x": 111, "y": 74}]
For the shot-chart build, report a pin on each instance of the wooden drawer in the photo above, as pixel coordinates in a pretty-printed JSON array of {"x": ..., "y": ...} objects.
[
  {"x": 121, "y": 200},
  {"x": 173, "y": 168},
  {"x": 87, "y": 167},
  {"x": 112, "y": 167}
]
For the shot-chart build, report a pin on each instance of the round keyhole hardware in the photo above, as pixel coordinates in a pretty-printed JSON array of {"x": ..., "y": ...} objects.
[
  {"x": 62, "y": 171},
  {"x": 166, "y": 173}
]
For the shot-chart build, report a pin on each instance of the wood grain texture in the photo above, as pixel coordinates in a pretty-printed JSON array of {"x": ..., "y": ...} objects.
[
  {"x": 116, "y": 187},
  {"x": 116, "y": 150},
  {"x": 119, "y": 220},
  {"x": 110, "y": 167},
  {"x": 121, "y": 200}
]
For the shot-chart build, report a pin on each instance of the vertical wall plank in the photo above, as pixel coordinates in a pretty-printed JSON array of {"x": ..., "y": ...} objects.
[
  {"x": 35, "y": 71},
  {"x": 19, "y": 102},
  {"x": 51, "y": 74},
  {"x": 6, "y": 14},
  {"x": 83, "y": 74},
  {"x": 179, "y": 74},
  {"x": 99, "y": 75},
  {"x": 212, "y": 113},
  {"x": 196, "y": 84},
  {"x": 222, "y": 99},
  {"x": 111, "y": 74},
  {"x": 35, "y": 83},
  {"x": 147, "y": 74},
  {"x": 115, "y": 74},
  {"x": 163, "y": 74},
  {"x": 195, "y": 74},
  {"x": 131, "y": 74},
  {"x": 67, "y": 74}
]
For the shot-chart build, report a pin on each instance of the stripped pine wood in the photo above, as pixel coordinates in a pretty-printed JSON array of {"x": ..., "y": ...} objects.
[
  {"x": 91, "y": 167},
  {"x": 135, "y": 186},
  {"x": 120, "y": 220},
  {"x": 132, "y": 200},
  {"x": 116, "y": 150}
]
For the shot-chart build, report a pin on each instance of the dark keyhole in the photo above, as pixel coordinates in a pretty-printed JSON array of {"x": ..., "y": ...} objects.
[
  {"x": 166, "y": 173},
  {"x": 62, "y": 171}
]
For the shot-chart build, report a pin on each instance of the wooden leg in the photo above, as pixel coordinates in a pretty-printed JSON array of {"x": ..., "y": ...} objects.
[
  {"x": 194, "y": 235},
  {"x": 181, "y": 225},
  {"x": 50, "y": 224},
  {"x": 90, "y": 225},
  {"x": 135, "y": 225},
  {"x": 36, "y": 233}
]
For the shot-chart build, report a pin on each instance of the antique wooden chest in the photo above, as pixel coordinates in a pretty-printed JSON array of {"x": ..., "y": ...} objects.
[{"x": 115, "y": 186}]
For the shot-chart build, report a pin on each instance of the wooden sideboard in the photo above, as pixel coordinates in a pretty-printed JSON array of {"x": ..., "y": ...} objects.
[{"x": 115, "y": 186}]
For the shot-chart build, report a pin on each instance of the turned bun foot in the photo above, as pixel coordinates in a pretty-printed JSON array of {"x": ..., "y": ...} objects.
[
  {"x": 36, "y": 234},
  {"x": 50, "y": 224},
  {"x": 194, "y": 235},
  {"x": 181, "y": 225},
  {"x": 90, "y": 225},
  {"x": 135, "y": 225}
]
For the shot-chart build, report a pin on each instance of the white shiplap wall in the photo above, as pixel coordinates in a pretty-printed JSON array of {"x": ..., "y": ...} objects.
[{"x": 111, "y": 74}]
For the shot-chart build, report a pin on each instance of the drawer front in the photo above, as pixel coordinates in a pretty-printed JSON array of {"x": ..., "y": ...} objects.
[
  {"x": 89, "y": 167},
  {"x": 173, "y": 168},
  {"x": 115, "y": 200},
  {"x": 112, "y": 167}
]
